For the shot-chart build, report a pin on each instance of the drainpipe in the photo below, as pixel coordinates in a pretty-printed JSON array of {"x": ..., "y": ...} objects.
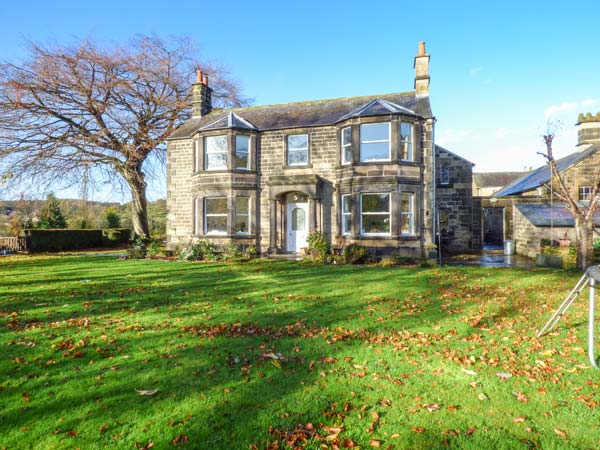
[{"x": 434, "y": 207}]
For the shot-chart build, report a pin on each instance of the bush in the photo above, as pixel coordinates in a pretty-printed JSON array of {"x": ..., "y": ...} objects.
[
  {"x": 387, "y": 261},
  {"x": 252, "y": 252},
  {"x": 318, "y": 247},
  {"x": 355, "y": 254},
  {"x": 202, "y": 250},
  {"x": 154, "y": 247},
  {"x": 232, "y": 251},
  {"x": 596, "y": 243}
]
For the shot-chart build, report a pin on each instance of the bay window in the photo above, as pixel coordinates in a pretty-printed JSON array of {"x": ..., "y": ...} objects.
[
  {"x": 375, "y": 214},
  {"x": 242, "y": 215},
  {"x": 242, "y": 152},
  {"x": 375, "y": 142},
  {"x": 215, "y": 215},
  {"x": 215, "y": 152},
  {"x": 407, "y": 216},
  {"x": 406, "y": 141},
  {"x": 346, "y": 214}
]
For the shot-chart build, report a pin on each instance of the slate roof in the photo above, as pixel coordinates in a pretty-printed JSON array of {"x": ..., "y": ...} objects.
[
  {"x": 541, "y": 175},
  {"x": 230, "y": 120},
  {"x": 495, "y": 179},
  {"x": 312, "y": 113},
  {"x": 544, "y": 214},
  {"x": 445, "y": 150}
]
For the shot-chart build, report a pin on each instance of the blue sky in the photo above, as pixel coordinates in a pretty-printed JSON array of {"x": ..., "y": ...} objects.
[{"x": 499, "y": 70}]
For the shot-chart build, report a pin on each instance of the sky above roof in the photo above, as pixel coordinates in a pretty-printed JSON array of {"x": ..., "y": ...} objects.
[{"x": 499, "y": 70}]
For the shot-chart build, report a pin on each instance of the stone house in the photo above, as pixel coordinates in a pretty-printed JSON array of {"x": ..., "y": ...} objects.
[
  {"x": 532, "y": 203},
  {"x": 359, "y": 169}
]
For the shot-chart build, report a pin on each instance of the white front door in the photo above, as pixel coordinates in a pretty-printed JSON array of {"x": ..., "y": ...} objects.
[{"x": 297, "y": 226}]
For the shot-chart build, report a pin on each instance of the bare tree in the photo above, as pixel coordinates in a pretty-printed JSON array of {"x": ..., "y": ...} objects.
[
  {"x": 69, "y": 108},
  {"x": 583, "y": 214}
]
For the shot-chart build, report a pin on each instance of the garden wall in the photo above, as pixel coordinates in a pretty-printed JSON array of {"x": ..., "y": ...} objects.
[{"x": 58, "y": 240}]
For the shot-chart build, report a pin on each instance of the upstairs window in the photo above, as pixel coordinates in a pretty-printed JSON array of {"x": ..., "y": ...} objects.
[
  {"x": 347, "y": 145},
  {"x": 445, "y": 174},
  {"x": 215, "y": 215},
  {"x": 242, "y": 152},
  {"x": 242, "y": 215},
  {"x": 406, "y": 141},
  {"x": 407, "y": 216},
  {"x": 585, "y": 193},
  {"x": 215, "y": 152},
  {"x": 375, "y": 214},
  {"x": 375, "y": 142},
  {"x": 346, "y": 214},
  {"x": 297, "y": 150}
]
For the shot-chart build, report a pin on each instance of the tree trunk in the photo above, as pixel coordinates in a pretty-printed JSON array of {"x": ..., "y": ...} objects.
[
  {"x": 584, "y": 230},
  {"x": 139, "y": 205}
]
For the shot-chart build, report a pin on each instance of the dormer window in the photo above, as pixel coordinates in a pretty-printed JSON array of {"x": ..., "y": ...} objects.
[
  {"x": 215, "y": 152},
  {"x": 347, "y": 145},
  {"x": 242, "y": 152},
  {"x": 375, "y": 142},
  {"x": 406, "y": 141},
  {"x": 297, "y": 150}
]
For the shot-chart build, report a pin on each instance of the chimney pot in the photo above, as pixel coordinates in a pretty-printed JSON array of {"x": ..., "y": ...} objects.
[
  {"x": 205, "y": 80},
  {"x": 198, "y": 76},
  {"x": 422, "y": 48}
]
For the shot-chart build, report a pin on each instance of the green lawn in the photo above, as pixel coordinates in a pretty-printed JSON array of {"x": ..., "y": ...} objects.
[{"x": 289, "y": 355}]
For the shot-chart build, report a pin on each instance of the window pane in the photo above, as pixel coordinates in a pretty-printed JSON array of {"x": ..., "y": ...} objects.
[
  {"x": 406, "y": 200},
  {"x": 216, "y": 205},
  {"x": 406, "y": 224},
  {"x": 242, "y": 144},
  {"x": 241, "y": 224},
  {"x": 215, "y": 144},
  {"x": 297, "y": 157},
  {"x": 376, "y": 223},
  {"x": 216, "y": 160},
  {"x": 374, "y": 152},
  {"x": 405, "y": 131},
  {"x": 241, "y": 205},
  {"x": 372, "y": 203},
  {"x": 297, "y": 141},
  {"x": 216, "y": 224},
  {"x": 347, "y": 136},
  {"x": 241, "y": 160},
  {"x": 346, "y": 221},
  {"x": 298, "y": 219},
  {"x": 375, "y": 132},
  {"x": 347, "y": 154},
  {"x": 345, "y": 203}
]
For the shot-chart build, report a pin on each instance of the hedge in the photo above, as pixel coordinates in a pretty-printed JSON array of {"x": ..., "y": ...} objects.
[{"x": 58, "y": 240}]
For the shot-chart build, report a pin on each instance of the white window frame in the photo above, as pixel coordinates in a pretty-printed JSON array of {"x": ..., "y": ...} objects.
[
  {"x": 247, "y": 153},
  {"x": 362, "y": 213},
  {"x": 445, "y": 174},
  {"x": 207, "y": 152},
  {"x": 345, "y": 161},
  {"x": 388, "y": 140},
  {"x": 587, "y": 192},
  {"x": 410, "y": 213},
  {"x": 247, "y": 215},
  {"x": 207, "y": 215},
  {"x": 411, "y": 141},
  {"x": 348, "y": 198},
  {"x": 306, "y": 149}
]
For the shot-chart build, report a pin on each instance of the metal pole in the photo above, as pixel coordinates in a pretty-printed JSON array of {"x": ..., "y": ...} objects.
[{"x": 591, "y": 325}]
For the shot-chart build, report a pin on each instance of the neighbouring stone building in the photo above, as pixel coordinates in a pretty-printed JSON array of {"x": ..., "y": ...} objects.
[
  {"x": 359, "y": 169},
  {"x": 532, "y": 204}
]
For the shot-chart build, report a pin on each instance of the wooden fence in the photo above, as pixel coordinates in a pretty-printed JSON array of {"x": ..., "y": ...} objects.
[{"x": 14, "y": 244}]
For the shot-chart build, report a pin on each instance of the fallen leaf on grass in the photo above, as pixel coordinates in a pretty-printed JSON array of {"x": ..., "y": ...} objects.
[
  {"x": 418, "y": 429},
  {"x": 179, "y": 439},
  {"x": 521, "y": 397},
  {"x": 375, "y": 443},
  {"x": 146, "y": 391},
  {"x": 432, "y": 407},
  {"x": 519, "y": 419},
  {"x": 482, "y": 396},
  {"x": 560, "y": 432},
  {"x": 470, "y": 431},
  {"x": 504, "y": 375},
  {"x": 468, "y": 371}
]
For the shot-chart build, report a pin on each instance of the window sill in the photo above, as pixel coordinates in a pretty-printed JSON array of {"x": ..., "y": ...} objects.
[
  {"x": 225, "y": 236},
  {"x": 298, "y": 166}
]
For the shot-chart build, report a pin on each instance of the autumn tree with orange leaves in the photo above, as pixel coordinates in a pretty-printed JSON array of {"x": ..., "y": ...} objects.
[{"x": 70, "y": 110}]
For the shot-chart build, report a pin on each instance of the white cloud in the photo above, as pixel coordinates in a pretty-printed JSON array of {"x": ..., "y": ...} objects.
[
  {"x": 475, "y": 70},
  {"x": 501, "y": 133},
  {"x": 452, "y": 136},
  {"x": 553, "y": 110},
  {"x": 589, "y": 102}
]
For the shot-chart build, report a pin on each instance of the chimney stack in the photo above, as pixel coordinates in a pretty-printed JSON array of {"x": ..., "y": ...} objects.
[
  {"x": 588, "y": 130},
  {"x": 422, "y": 71},
  {"x": 201, "y": 96}
]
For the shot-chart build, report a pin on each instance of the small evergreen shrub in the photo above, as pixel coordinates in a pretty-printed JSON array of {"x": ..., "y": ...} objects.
[
  {"x": 355, "y": 254},
  {"x": 252, "y": 252},
  {"x": 202, "y": 250},
  {"x": 387, "y": 261},
  {"x": 318, "y": 247},
  {"x": 232, "y": 251}
]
